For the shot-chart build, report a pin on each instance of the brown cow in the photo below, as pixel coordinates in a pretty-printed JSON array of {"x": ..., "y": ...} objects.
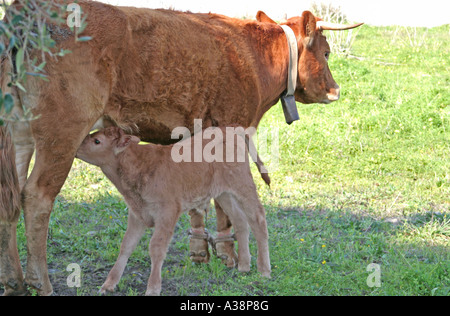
[
  {"x": 157, "y": 190},
  {"x": 148, "y": 71}
]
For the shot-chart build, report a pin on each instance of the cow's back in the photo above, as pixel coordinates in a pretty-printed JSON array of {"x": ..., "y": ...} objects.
[
  {"x": 150, "y": 71},
  {"x": 177, "y": 67}
]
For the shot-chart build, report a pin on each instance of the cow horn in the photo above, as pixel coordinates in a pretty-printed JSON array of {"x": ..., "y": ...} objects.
[{"x": 322, "y": 26}]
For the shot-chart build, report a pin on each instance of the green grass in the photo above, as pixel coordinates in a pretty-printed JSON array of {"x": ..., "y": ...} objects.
[{"x": 364, "y": 180}]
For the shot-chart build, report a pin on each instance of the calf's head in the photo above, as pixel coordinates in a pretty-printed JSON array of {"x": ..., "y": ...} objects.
[
  {"x": 101, "y": 148},
  {"x": 315, "y": 84}
]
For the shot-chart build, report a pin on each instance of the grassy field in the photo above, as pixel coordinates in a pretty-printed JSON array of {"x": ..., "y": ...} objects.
[{"x": 364, "y": 180}]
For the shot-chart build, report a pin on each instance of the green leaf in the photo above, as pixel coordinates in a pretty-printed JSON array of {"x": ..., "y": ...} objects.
[
  {"x": 18, "y": 85},
  {"x": 41, "y": 66},
  {"x": 84, "y": 39},
  {"x": 1, "y": 99},
  {"x": 16, "y": 19},
  {"x": 12, "y": 41},
  {"x": 39, "y": 75},
  {"x": 8, "y": 103},
  {"x": 63, "y": 52},
  {"x": 19, "y": 58}
]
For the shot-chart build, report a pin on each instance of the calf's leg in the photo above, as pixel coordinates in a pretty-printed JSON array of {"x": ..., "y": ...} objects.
[
  {"x": 133, "y": 235},
  {"x": 164, "y": 227},
  {"x": 249, "y": 202}
]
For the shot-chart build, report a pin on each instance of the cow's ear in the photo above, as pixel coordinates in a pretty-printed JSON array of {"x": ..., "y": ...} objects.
[
  {"x": 308, "y": 27},
  {"x": 262, "y": 17},
  {"x": 125, "y": 141}
]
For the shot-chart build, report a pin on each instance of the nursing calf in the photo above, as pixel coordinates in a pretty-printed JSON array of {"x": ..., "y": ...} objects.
[{"x": 158, "y": 190}]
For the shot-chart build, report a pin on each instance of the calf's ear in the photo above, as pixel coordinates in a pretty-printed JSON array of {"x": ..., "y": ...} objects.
[
  {"x": 308, "y": 28},
  {"x": 125, "y": 141}
]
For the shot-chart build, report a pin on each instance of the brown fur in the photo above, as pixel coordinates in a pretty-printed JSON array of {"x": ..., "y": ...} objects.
[
  {"x": 157, "y": 190},
  {"x": 150, "y": 71},
  {"x": 9, "y": 183}
]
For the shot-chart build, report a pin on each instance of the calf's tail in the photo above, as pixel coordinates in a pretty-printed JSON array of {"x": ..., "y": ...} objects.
[{"x": 10, "y": 201}]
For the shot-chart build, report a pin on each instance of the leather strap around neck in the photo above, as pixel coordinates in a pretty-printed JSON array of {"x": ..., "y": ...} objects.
[{"x": 293, "y": 59}]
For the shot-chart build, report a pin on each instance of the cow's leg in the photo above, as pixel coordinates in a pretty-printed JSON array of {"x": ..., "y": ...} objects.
[
  {"x": 10, "y": 205},
  {"x": 224, "y": 244},
  {"x": 198, "y": 244},
  {"x": 24, "y": 148},
  {"x": 10, "y": 269},
  {"x": 55, "y": 152},
  {"x": 48, "y": 176},
  {"x": 231, "y": 208},
  {"x": 133, "y": 235},
  {"x": 15, "y": 155},
  {"x": 164, "y": 227},
  {"x": 24, "y": 145}
]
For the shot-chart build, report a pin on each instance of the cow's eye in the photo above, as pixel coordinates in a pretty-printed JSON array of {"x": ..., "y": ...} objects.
[
  {"x": 96, "y": 141},
  {"x": 327, "y": 55}
]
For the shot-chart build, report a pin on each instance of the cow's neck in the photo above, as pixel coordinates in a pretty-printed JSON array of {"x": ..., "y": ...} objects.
[{"x": 272, "y": 62}]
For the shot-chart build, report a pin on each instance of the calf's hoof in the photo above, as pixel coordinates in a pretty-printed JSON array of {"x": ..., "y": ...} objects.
[
  {"x": 153, "y": 292},
  {"x": 41, "y": 289},
  {"x": 106, "y": 288},
  {"x": 225, "y": 251},
  {"x": 266, "y": 274},
  {"x": 198, "y": 245}
]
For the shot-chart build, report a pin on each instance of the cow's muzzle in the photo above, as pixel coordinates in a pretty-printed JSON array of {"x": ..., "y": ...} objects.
[{"x": 334, "y": 95}]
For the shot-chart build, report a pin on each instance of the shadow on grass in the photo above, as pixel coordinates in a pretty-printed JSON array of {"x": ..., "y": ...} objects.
[{"x": 313, "y": 252}]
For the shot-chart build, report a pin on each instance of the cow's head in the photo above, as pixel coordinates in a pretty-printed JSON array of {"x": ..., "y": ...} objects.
[{"x": 315, "y": 84}]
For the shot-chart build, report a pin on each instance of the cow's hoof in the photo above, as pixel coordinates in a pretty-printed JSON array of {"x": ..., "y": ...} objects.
[
  {"x": 12, "y": 288},
  {"x": 199, "y": 252},
  {"x": 225, "y": 251}
]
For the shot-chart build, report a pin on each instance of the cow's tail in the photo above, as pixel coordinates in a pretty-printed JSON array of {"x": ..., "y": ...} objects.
[
  {"x": 259, "y": 164},
  {"x": 10, "y": 201}
]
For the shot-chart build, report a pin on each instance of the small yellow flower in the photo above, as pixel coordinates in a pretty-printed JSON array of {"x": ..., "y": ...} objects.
[
  {"x": 323, "y": 246},
  {"x": 302, "y": 239},
  {"x": 324, "y": 262}
]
